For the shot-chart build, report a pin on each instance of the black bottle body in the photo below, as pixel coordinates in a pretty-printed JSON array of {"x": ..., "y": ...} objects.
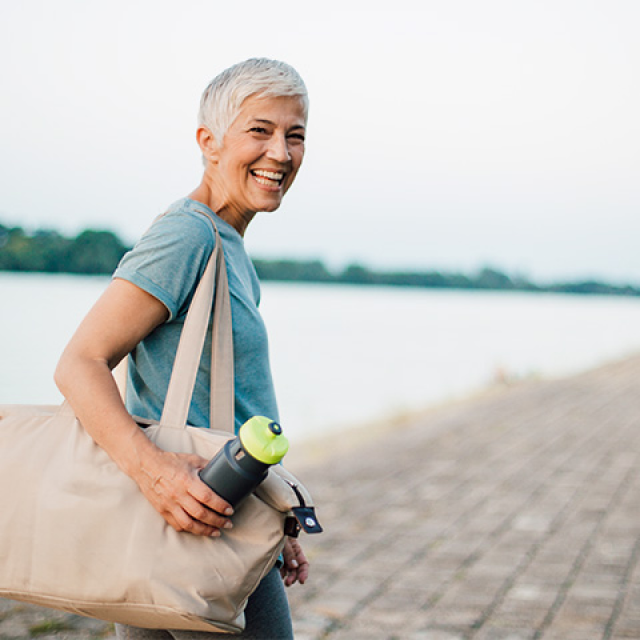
[{"x": 232, "y": 473}]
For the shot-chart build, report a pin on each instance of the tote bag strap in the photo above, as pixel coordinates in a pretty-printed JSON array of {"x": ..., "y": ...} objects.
[
  {"x": 222, "y": 394},
  {"x": 213, "y": 284}
]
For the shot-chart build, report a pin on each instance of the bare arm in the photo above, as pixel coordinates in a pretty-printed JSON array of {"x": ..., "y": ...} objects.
[{"x": 123, "y": 316}]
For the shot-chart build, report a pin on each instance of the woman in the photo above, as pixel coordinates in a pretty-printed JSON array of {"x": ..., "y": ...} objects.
[{"x": 251, "y": 133}]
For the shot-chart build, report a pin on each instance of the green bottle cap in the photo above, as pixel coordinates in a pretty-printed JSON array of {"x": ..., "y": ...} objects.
[{"x": 262, "y": 439}]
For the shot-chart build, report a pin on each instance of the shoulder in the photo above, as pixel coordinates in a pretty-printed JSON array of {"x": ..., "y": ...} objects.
[
  {"x": 179, "y": 235},
  {"x": 171, "y": 256},
  {"x": 182, "y": 224}
]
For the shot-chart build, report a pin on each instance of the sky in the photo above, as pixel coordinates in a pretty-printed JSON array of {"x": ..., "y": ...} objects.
[{"x": 449, "y": 135}]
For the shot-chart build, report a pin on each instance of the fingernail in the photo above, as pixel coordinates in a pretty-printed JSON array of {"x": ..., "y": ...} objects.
[
  {"x": 216, "y": 534},
  {"x": 228, "y": 511},
  {"x": 228, "y": 524}
]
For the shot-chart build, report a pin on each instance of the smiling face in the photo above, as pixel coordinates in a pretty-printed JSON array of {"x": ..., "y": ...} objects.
[{"x": 259, "y": 158}]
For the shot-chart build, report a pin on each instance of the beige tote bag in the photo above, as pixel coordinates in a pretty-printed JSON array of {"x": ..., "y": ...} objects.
[{"x": 77, "y": 534}]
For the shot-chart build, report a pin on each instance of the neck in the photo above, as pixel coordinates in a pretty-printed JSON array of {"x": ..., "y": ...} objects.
[{"x": 214, "y": 198}]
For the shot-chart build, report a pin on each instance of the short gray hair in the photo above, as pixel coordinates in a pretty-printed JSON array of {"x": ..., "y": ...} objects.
[{"x": 222, "y": 99}]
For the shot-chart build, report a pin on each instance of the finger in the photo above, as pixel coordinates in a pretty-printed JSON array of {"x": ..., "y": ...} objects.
[
  {"x": 202, "y": 493},
  {"x": 288, "y": 555},
  {"x": 201, "y": 513},
  {"x": 182, "y": 522},
  {"x": 291, "y": 572},
  {"x": 205, "y": 495},
  {"x": 178, "y": 507},
  {"x": 290, "y": 578},
  {"x": 297, "y": 564},
  {"x": 303, "y": 573},
  {"x": 291, "y": 549}
]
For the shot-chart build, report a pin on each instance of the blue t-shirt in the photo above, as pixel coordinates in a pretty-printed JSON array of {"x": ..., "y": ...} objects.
[{"x": 167, "y": 262}]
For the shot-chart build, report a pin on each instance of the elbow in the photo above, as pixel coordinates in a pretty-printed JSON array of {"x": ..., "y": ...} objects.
[
  {"x": 67, "y": 370},
  {"x": 75, "y": 369},
  {"x": 61, "y": 376}
]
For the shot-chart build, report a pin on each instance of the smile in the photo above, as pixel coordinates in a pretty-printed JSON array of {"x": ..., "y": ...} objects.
[{"x": 268, "y": 178}]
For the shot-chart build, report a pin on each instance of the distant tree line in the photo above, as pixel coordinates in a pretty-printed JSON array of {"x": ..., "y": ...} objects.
[
  {"x": 96, "y": 252},
  {"x": 485, "y": 279},
  {"x": 90, "y": 252}
]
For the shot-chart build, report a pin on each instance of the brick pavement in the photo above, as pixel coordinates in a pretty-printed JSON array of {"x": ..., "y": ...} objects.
[{"x": 510, "y": 516}]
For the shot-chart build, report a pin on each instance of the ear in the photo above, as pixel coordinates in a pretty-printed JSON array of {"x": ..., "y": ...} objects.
[{"x": 208, "y": 144}]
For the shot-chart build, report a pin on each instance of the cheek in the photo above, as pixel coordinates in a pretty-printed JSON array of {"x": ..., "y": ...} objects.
[{"x": 297, "y": 158}]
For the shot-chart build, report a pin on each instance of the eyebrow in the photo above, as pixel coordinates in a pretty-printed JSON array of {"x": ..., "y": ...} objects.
[{"x": 265, "y": 121}]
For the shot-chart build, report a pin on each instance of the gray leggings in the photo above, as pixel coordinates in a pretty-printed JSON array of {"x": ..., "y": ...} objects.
[{"x": 267, "y": 615}]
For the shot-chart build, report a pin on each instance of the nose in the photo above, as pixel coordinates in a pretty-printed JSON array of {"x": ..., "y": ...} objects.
[{"x": 279, "y": 149}]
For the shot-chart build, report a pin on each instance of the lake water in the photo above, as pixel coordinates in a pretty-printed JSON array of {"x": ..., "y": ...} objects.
[{"x": 343, "y": 356}]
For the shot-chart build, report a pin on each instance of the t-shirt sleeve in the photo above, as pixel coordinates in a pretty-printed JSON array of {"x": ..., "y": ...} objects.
[{"x": 169, "y": 259}]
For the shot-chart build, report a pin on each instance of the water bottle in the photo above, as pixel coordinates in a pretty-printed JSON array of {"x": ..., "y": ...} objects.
[{"x": 242, "y": 463}]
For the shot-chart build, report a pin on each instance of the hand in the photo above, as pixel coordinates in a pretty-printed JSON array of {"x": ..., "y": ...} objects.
[
  {"x": 171, "y": 484},
  {"x": 296, "y": 566}
]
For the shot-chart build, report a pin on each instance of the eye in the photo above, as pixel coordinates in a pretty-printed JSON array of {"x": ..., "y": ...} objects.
[
  {"x": 259, "y": 130},
  {"x": 297, "y": 136}
]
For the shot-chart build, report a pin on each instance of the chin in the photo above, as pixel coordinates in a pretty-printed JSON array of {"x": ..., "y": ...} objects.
[{"x": 269, "y": 208}]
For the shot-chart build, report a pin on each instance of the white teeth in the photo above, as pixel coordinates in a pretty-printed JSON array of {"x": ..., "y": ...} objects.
[
  {"x": 270, "y": 175},
  {"x": 264, "y": 181}
]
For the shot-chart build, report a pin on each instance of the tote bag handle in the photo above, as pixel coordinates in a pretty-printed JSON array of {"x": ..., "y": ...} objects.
[{"x": 212, "y": 286}]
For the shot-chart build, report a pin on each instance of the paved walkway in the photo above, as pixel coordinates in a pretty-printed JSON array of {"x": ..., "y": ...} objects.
[{"x": 512, "y": 516}]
